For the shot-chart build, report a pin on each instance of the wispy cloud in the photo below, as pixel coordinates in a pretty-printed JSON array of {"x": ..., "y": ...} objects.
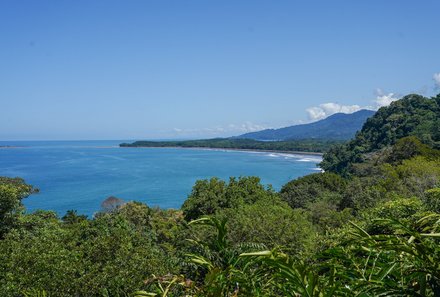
[
  {"x": 224, "y": 130},
  {"x": 436, "y": 78},
  {"x": 247, "y": 127}
]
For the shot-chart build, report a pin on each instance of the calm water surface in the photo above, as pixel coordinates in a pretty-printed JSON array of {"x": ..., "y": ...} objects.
[{"x": 81, "y": 174}]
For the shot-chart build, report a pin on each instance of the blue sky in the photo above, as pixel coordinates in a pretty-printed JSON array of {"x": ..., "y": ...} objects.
[{"x": 191, "y": 69}]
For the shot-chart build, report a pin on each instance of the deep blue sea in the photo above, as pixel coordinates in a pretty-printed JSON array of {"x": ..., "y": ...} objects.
[{"x": 81, "y": 174}]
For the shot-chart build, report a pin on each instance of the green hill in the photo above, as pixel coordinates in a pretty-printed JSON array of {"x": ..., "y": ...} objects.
[{"x": 413, "y": 115}]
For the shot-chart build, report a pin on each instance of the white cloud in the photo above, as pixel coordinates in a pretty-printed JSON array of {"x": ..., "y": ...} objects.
[
  {"x": 327, "y": 109},
  {"x": 247, "y": 127},
  {"x": 227, "y": 130},
  {"x": 436, "y": 78},
  {"x": 383, "y": 99}
]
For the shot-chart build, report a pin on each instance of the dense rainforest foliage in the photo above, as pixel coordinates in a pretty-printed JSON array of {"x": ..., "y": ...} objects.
[
  {"x": 304, "y": 145},
  {"x": 413, "y": 115},
  {"x": 369, "y": 226}
]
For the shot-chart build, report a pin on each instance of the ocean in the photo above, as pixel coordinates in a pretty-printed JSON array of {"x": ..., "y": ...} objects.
[{"x": 79, "y": 175}]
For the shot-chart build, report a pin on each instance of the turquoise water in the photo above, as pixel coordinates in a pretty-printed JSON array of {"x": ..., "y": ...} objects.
[{"x": 81, "y": 174}]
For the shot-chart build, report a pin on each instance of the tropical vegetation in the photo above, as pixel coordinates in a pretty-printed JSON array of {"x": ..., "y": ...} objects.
[
  {"x": 367, "y": 226},
  {"x": 300, "y": 145}
]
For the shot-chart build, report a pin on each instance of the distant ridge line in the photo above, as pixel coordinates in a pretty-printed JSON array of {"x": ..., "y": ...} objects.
[{"x": 339, "y": 126}]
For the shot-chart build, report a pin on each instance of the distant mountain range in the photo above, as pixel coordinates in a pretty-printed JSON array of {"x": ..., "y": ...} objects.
[
  {"x": 314, "y": 137},
  {"x": 339, "y": 126}
]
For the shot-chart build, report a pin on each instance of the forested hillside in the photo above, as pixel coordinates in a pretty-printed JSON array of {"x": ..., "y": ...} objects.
[
  {"x": 303, "y": 145},
  {"x": 413, "y": 115},
  {"x": 368, "y": 226}
]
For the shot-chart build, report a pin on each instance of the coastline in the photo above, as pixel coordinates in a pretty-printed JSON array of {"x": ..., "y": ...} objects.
[
  {"x": 201, "y": 148},
  {"x": 231, "y": 149}
]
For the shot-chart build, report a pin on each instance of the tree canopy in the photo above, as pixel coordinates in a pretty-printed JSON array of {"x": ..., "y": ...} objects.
[{"x": 368, "y": 226}]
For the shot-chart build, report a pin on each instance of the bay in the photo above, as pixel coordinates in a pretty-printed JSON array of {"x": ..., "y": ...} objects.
[{"x": 81, "y": 174}]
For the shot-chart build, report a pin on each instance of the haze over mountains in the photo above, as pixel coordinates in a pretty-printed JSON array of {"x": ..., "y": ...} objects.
[{"x": 339, "y": 126}]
